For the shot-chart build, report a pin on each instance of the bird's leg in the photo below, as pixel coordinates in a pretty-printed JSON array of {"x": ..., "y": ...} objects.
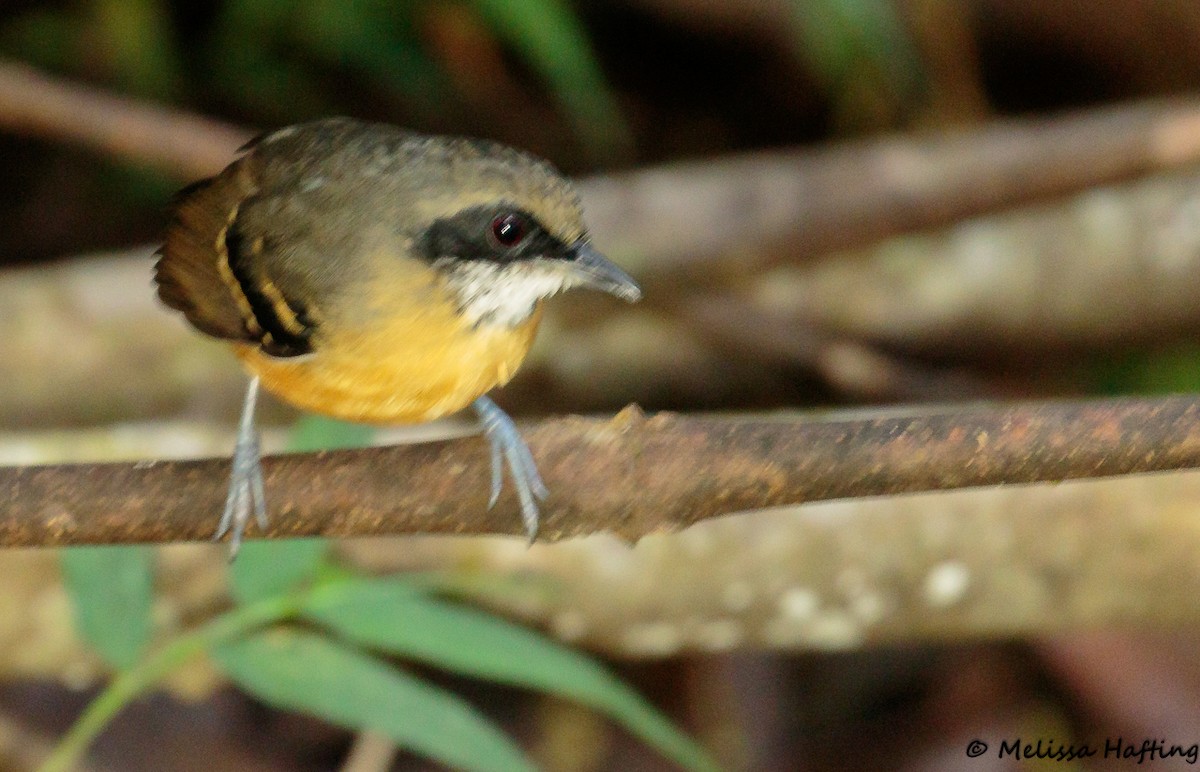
[
  {"x": 508, "y": 447},
  {"x": 246, "y": 481}
]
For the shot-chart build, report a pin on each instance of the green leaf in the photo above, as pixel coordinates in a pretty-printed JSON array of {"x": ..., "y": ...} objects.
[
  {"x": 389, "y": 616},
  {"x": 841, "y": 36},
  {"x": 152, "y": 669},
  {"x": 266, "y": 568},
  {"x": 111, "y": 589},
  {"x": 306, "y": 672},
  {"x": 553, "y": 41},
  {"x": 314, "y": 432}
]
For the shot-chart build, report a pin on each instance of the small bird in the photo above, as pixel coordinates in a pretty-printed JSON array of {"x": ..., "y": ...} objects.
[{"x": 377, "y": 275}]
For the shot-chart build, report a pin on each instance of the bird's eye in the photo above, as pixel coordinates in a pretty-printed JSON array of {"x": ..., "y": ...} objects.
[{"x": 509, "y": 229}]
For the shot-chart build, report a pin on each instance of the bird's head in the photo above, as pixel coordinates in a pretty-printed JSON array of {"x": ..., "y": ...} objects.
[{"x": 505, "y": 230}]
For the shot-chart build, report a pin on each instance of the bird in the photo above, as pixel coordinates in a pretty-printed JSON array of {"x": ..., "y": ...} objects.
[{"x": 378, "y": 275}]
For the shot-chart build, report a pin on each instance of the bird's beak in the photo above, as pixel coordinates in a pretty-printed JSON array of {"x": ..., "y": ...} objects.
[{"x": 596, "y": 271}]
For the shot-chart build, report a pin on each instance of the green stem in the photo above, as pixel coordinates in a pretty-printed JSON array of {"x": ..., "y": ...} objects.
[{"x": 132, "y": 682}]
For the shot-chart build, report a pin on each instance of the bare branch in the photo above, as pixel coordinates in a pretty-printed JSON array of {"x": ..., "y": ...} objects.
[
  {"x": 785, "y": 205},
  {"x": 632, "y": 475},
  {"x": 179, "y": 143},
  {"x": 1102, "y": 269}
]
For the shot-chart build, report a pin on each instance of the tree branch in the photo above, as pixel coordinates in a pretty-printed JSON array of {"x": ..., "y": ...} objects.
[
  {"x": 631, "y": 475},
  {"x": 786, "y": 204}
]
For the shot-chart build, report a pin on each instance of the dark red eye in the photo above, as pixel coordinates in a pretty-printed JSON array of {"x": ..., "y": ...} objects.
[{"x": 508, "y": 229}]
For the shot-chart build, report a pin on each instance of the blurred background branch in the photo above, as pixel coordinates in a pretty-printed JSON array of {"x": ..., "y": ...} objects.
[
  {"x": 776, "y": 206},
  {"x": 176, "y": 142}
]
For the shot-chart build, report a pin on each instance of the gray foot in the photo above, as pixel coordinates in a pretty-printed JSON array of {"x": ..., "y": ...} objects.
[
  {"x": 508, "y": 447},
  {"x": 245, "y": 495}
]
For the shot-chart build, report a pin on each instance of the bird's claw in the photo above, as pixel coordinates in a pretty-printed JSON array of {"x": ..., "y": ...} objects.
[
  {"x": 246, "y": 496},
  {"x": 508, "y": 448}
]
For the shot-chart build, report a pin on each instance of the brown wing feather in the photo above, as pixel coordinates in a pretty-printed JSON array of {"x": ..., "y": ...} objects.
[{"x": 192, "y": 270}]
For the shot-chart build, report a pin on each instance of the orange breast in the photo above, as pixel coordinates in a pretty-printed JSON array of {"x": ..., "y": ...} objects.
[{"x": 416, "y": 364}]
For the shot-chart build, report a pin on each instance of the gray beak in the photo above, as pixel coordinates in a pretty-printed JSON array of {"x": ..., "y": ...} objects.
[{"x": 596, "y": 271}]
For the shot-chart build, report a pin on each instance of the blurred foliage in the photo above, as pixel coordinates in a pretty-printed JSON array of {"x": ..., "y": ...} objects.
[
  {"x": 1172, "y": 369},
  {"x": 863, "y": 57},
  {"x": 128, "y": 43},
  {"x": 433, "y": 65},
  {"x": 554, "y": 42},
  {"x": 112, "y": 590},
  {"x": 586, "y": 84},
  {"x": 283, "y": 60},
  {"x": 335, "y": 672}
]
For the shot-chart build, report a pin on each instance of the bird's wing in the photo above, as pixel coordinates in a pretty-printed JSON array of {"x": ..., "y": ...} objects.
[{"x": 212, "y": 269}]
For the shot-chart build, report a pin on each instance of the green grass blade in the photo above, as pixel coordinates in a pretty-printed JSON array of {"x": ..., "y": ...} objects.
[
  {"x": 302, "y": 671},
  {"x": 863, "y": 56},
  {"x": 552, "y": 39},
  {"x": 389, "y": 616},
  {"x": 375, "y": 39},
  {"x": 840, "y": 36},
  {"x": 135, "y": 681},
  {"x": 111, "y": 589}
]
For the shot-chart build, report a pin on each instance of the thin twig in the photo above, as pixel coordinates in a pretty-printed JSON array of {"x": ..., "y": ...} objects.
[{"x": 631, "y": 475}]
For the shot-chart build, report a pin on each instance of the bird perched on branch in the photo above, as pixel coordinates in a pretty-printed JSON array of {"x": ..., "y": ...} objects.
[{"x": 377, "y": 275}]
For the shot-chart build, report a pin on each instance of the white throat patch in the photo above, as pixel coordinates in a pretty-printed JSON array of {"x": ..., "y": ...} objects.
[{"x": 503, "y": 294}]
